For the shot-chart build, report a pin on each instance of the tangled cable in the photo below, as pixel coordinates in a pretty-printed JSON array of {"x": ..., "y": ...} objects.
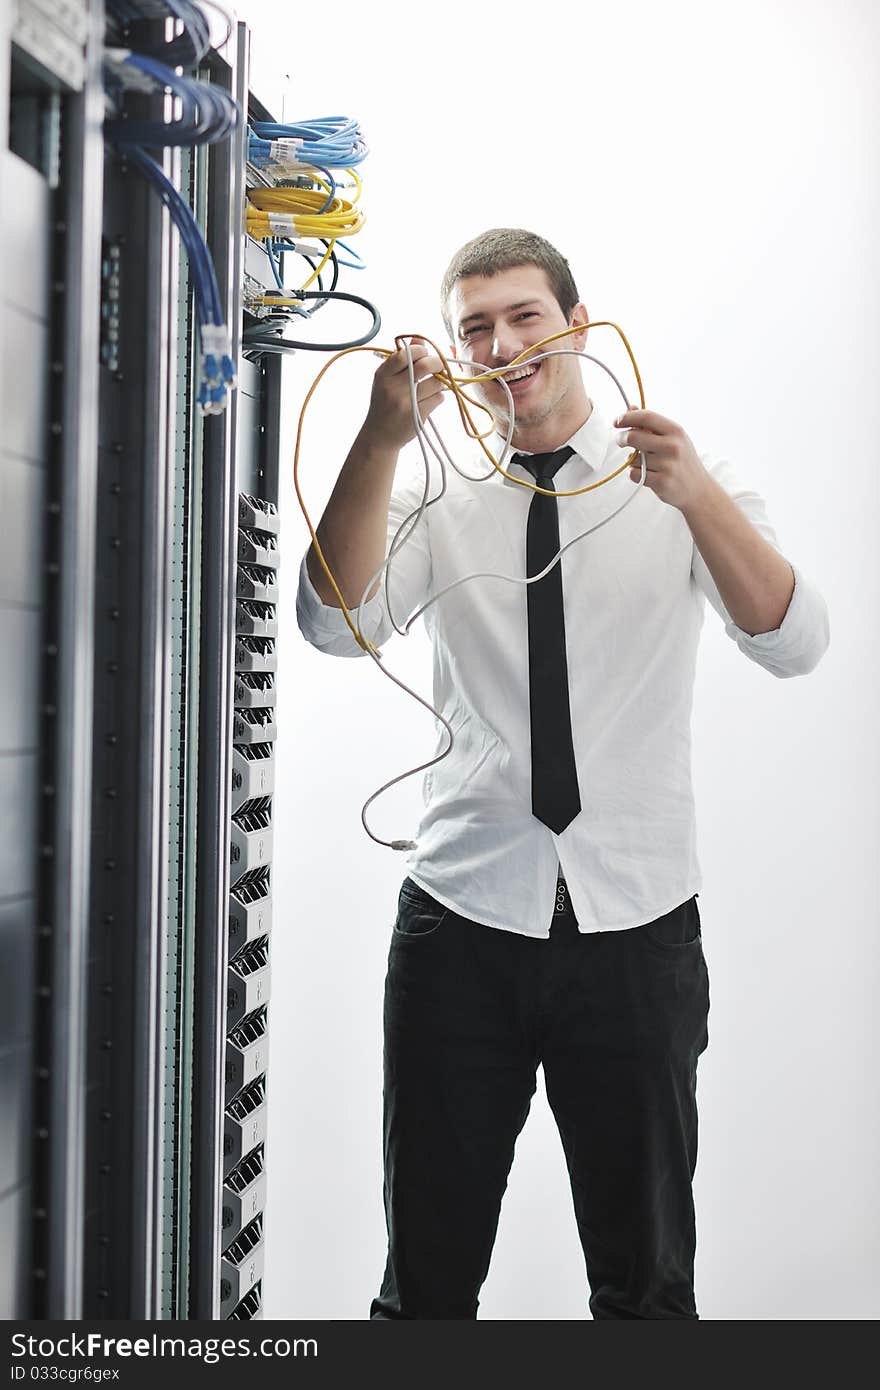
[
  {"x": 441, "y": 453},
  {"x": 307, "y": 205}
]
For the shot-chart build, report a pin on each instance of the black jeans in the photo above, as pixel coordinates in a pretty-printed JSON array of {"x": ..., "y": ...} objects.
[{"x": 618, "y": 1020}]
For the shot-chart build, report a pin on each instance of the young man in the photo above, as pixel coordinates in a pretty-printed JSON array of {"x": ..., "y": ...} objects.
[{"x": 550, "y": 913}]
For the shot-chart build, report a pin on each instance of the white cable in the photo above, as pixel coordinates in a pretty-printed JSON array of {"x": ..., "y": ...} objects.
[
  {"x": 422, "y": 438},
  {"x": 482, "y": 477},
  {"x": 532, "y": 579},
  {"x": 554, "y": 352},
  {"x": 395, "y": 547},
  {"x": 415, "y": 516}
]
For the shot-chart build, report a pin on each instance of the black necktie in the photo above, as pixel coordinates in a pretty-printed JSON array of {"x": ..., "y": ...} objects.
[{"x": 555, "y": 796}]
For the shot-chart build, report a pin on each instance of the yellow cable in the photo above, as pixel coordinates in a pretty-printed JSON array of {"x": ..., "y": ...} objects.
[
  {"x": 491, "y": 375},
  {"x": 318, "y": 268},
  {"x": 362, "y": 641},
  {"x": 358, "y": 185},
  {"x": 259, "y": 228},
  {"x": 454, "y": 384},
  {"x": 307, "y": 210}
]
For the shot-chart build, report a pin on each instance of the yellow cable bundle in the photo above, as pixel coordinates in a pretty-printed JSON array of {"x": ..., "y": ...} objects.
[{"x": 303, "y": 212}]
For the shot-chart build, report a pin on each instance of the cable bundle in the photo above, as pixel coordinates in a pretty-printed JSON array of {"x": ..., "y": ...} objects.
[
  {"x": 292, "y": 212},
  {"x": 204, "y": 114},
  {"x": 189, "y": 46},
  {"x": 216, "y": 368},
  {"x": 306, "y": 204},
  {"x": 329, "y": 142},
  {"x": 207, "y": 113}
]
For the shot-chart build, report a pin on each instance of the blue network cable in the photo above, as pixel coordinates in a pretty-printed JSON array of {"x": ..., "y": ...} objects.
[
  {"x": 217, "y": 368},
  {"x": 332, "y": 194},
  {"x": 299, "y": 248},
  {"x": 358, "y": 264},
  {"x": 208, "y": 114},
  {"x": 269, "y": 247},
  {"x": 334, "y": 142}
]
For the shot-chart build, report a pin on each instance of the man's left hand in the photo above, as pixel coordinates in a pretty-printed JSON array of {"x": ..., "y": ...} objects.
[{"x": 673, "y": 467}]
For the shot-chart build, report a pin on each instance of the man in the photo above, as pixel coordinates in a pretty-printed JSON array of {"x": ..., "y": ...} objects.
[{"x": 550, "y": 914}]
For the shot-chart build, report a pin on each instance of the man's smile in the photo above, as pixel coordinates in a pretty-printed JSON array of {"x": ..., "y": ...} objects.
[{"x": 520, "y": 380}]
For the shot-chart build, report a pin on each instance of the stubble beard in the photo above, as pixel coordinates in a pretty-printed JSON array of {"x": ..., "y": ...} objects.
[{"x": 536, "y": 415}]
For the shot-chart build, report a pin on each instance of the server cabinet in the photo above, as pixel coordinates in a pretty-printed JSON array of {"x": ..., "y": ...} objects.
[
  {"x": 139, "y": 615},
  {"x": 51, "y": 156}
]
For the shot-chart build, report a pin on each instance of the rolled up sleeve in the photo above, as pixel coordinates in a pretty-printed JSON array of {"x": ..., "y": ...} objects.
[{"x": 801, "y": 640}]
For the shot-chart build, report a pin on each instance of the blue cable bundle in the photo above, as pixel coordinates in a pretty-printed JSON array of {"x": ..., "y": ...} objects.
[
  {"x": 208, "y": 113},
  {"x": 336, "y": 142},
  {"x": 217, "y": 368},
  {"x": 205, "y": 114}
]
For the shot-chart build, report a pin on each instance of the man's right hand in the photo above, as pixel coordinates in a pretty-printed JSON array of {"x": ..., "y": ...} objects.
[{"x": 389, "y": 422}]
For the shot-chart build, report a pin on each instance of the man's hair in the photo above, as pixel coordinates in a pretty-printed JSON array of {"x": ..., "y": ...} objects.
[{"x": 502, "y": 248}]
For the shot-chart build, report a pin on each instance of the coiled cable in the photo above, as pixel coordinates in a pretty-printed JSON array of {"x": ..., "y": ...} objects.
[
  {"x": 408, "y": 525},
  {"x": 257, "y": 337}
]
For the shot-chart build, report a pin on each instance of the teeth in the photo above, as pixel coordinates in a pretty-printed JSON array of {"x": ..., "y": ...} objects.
[{"x": 523, "y": 372}]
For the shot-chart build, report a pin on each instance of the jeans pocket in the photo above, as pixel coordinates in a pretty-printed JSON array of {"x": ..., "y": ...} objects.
[
  {"x": 675, "y": 930},
  {"x": 418, "y": 913}
]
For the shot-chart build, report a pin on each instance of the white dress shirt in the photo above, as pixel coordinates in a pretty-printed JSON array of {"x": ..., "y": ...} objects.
[{"x": 634, "y": 595}]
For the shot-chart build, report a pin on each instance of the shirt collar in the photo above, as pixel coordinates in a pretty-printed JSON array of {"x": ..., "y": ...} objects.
[{"x": 590, "y": 444}]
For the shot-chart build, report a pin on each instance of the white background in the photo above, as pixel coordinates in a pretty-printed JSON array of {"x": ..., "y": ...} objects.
[{"x": 711, "y": 173}]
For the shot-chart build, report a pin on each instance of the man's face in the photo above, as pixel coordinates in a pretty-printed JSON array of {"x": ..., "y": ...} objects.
[{"x": 497, "y": 317}]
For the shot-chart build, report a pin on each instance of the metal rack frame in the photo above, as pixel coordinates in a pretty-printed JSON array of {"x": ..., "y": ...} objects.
[{"x": 141, "y": 934}]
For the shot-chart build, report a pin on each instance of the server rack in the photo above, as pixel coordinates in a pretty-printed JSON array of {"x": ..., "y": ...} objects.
[{"x": 139, "y": 614}]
